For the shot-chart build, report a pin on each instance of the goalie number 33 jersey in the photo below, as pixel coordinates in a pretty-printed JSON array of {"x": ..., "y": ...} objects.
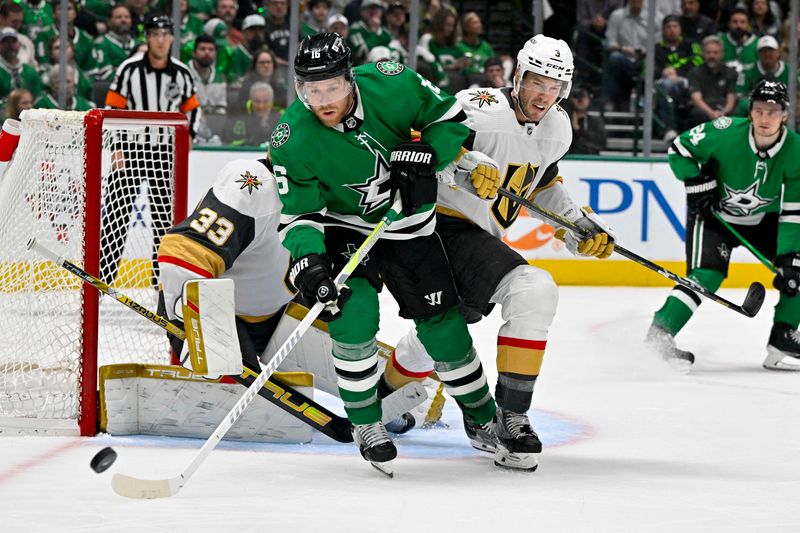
[{"x": 527, "y": 155}]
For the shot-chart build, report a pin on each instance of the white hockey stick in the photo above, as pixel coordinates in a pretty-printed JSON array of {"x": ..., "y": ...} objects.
[{"x": 132, "y": 487}]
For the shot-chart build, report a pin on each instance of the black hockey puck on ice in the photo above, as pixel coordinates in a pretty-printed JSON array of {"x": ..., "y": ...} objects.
[{"x": 103, "y": 460}]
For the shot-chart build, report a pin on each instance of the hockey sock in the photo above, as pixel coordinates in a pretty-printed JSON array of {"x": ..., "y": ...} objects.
[
  {"x": 395, "y": 375},
  {"x": 787, "y": 310},
  {"x": 682, "y": 302},
  {"x": 355, "y": 353}
]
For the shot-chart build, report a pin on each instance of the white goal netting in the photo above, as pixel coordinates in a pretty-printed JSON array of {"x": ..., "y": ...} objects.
[{"x": 46, "y": 323}]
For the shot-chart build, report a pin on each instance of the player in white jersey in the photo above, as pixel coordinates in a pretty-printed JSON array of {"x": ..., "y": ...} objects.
[
  {"x": 527, "y": 133},
  {"x": 233, "y": 234}
]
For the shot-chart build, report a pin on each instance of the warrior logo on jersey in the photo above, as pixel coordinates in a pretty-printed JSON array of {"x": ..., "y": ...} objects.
[
  {"x": 483, "y": 97},
  {"x": 518, "y": 179},
  {"x": 390, "y": 68},
  {"x": 376, "y": 190},
  {"x": 743, "y": 203},
  {"x": 250, "y": 182},
  {"x": 280, "y": 135}
]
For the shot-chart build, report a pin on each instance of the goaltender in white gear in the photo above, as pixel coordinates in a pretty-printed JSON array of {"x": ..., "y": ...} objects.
[{"x": 527, "y": 133}]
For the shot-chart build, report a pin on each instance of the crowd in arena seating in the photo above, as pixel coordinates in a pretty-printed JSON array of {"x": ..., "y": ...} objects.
[{"x": 708, "y": 58}]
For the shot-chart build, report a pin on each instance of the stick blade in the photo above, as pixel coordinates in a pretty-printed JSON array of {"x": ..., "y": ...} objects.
[
  {"x": 144, "y": 489},
  {"x": 753, "y": 299}
]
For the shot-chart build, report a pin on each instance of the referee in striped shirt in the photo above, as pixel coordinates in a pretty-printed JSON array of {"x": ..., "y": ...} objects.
[{"x": 152, "y": 81}]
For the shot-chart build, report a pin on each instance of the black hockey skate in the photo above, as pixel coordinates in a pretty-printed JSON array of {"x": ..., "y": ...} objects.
[
  {"x": 783, "y": 346},
  {"x": 375, "y": 446},
  {"x": 663, "y": 343},
  {"x": 517, "y": 442},
  {"x": 481, "y": 436}
]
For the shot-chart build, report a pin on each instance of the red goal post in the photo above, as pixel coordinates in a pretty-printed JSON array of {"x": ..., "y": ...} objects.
[{"x": 99, "y": 188}]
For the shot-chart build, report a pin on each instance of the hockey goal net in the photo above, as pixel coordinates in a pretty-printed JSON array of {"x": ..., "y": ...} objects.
[{"x": 99, "y": 189}]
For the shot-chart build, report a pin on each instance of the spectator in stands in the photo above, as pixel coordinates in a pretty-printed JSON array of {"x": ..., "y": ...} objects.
[
  {"x": 255, "y": 126},
  {"x": 262, "y": 70},
  {"x": 11, "y": 15},
  {"x": 277, "y": 32},
  {"x": 475, "y": 49},
  {"x": 588, "y": 132},
  {"x": 592, "y": 18},
  {"x": 399, "y": 45},
  {"x": 739, "y": 44},
  {"x": 83, "y": 41},
  {"x": 769, "y": 66},
  {"x": 111, "y": 49},
  {"x": 18, "y": 101},
  {"x": 15, "y": 74},
  {"x": 339, "y": 24},
  {"x": 712, "y": 85},
  {"x": 396, "y": 18},
  {"x": 74, "y": 102},
  {"x": 439, "y": 48},
  {"x": 674, "y": 58},
  {"x": 226, "y": 12},
  {"x": 139, "y": 10},
  {"x": 212, "y": 91},
  {"x": 694, "y": 25},
  {"x": 316, "y": 18},
  {"x": 82, "y": 84},
  {"x": 368, "y": 32},
  {"x": 191, "y": 25},
  {"x": 787, "y": 36},
  {"x": 242, "y": 56},
  {"x": 763, "y": 20},
  {"x": 37, "y": 15},
  {"x": 493, "y": 75},
  {"x": 202, "y": 9},
  {"x": 626, "y": 39}
]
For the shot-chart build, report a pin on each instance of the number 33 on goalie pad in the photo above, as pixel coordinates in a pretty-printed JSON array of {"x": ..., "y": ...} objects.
[{"x": 210, "y": 324}]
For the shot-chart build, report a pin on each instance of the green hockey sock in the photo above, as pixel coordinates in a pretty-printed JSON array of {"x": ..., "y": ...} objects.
[{"x": 682, "y": 302}]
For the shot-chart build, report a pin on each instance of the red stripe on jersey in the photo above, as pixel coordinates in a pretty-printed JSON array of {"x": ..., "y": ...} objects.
[
  {"x": 185, "y": 264},
  {"x": 408, "y": 373},
  {"x": 521, "y": 343}
]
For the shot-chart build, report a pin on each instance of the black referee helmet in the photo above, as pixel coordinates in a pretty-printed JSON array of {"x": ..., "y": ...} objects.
[{"x": 158, "y": 22}]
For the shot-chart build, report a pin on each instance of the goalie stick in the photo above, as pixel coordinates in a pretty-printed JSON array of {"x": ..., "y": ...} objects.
[
  {"x": 275, "y": 391},
  {"x": 132, "y": 487},
  {"x": 752, "y": 300}
]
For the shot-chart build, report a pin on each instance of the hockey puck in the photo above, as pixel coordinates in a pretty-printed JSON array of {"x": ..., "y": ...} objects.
[{"x": 103, "y": 460}]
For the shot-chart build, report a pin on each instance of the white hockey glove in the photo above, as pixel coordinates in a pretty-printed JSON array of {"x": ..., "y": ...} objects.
[
  {"x": 597, "y": 241},
  {"x": 483, "y": 171}
]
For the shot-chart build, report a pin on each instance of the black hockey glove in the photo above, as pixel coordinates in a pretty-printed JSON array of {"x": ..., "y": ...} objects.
[
  {"x": 311, "y": 275},
  {"x": 413, "y": 175},
  {"x": 787, "y": 280},
  {"x": 702, "y": 197}
]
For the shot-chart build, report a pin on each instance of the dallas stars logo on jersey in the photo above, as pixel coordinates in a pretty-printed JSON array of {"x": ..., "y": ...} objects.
[
  {"x": 376, "y": 190},
  {"x": 743, "y": 203},
  {"x": 390, "y": 68},
  {"x": 483, "y": 97},
  {"x": 249, "y": 181}
]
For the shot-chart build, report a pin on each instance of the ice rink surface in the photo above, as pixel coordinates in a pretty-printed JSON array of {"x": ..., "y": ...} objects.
[{"x": 630, "y": 446}]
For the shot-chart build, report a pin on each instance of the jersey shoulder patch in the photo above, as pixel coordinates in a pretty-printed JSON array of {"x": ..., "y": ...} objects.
[
  {"x": 248, "y": 187},
  {"x": 389, "y": 68},
  {"x": 280, "y": 135},
  {"x": 722, "y": 123}
]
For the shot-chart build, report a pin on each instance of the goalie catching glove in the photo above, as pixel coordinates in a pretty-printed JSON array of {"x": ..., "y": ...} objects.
[
  {"x": 483, "y": 172},
  {"x": 597, "y": 239},
  {"x": 413, "y": 175},
  {"x": 311, "y": 275}
]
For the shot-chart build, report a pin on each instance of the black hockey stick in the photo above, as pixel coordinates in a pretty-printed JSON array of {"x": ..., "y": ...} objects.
[
  {"x": 274, "y": 391},
  {"x": 752, "y": 300}
]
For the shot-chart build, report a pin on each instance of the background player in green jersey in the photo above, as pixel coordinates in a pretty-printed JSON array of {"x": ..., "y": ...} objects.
[
  {"x": 340, "y": 154},
  {"x": 739, "y": 167}
]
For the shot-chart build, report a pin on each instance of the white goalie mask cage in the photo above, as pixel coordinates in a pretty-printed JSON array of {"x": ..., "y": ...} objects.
[{"x": 548, "y": 57}]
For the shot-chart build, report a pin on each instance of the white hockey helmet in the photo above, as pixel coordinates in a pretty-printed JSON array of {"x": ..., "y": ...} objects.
[{"x": 548, "y": 57}]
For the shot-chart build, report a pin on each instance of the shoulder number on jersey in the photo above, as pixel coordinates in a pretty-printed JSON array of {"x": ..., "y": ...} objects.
[
  {"x": 280, "y": 179},
  {"x": 221, "y": 230},
  {"x": 696, "y": 134}
]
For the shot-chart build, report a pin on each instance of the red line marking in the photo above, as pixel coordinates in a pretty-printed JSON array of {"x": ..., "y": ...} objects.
[{"x": 38, "y": 460}]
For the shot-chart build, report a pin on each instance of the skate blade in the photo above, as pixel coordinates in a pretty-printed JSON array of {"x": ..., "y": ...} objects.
[
  {"x": 481, "y": 447},
  {"x": 515, "y": 461},
  {"x": 386, "y": 468},
  {"x": 681, "y": 366},
  {"x": 777, "y": 360}
]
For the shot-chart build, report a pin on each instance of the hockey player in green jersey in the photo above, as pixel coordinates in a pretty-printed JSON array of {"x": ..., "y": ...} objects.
[
  {"x": 739, "y": 167},
  {"x": 340, "y": 154}
]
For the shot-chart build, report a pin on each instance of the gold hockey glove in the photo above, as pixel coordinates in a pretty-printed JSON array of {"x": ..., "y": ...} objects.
[{"x": 483, "y": 172}]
